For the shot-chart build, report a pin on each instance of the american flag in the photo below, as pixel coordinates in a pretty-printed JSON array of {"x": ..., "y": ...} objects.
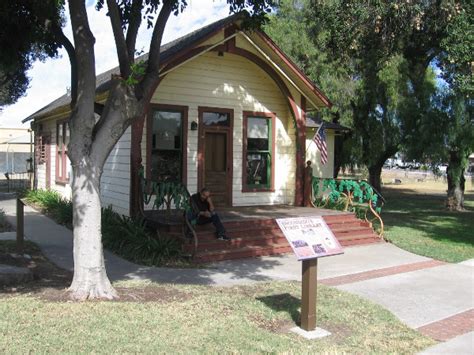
[{"x": 320, "y": 140}]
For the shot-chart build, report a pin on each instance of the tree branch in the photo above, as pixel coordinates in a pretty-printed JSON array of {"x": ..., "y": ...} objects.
[
  {"x": 82, "y": 118},
  {"x": 120, "y": 44},
  {"x": 153, "y": 68},
  {"x": 69, "y": 47},
  {"x": 133, "y": 26}
]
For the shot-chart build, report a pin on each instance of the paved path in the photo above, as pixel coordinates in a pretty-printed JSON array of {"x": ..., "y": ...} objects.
[{"x": 425, "y": 294}]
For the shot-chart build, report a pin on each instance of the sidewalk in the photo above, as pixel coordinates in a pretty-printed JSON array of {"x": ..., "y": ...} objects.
[{"x": 423, "y": 293}]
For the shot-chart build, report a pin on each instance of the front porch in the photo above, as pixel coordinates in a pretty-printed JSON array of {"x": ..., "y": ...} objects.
[{"x": 254, "y": 231}]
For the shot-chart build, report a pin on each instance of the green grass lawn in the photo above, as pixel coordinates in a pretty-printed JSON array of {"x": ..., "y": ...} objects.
[
  {"x": 197, "y": 319},
  {"x": 416, "y": 220}
]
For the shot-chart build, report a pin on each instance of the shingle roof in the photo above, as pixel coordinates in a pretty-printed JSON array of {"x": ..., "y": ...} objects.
[
  {"x": 316, "y": 122},
  {"x": 168, "y": 50}
]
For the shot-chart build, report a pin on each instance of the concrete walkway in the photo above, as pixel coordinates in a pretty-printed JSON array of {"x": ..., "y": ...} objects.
[{"x": 421, "y": 292}]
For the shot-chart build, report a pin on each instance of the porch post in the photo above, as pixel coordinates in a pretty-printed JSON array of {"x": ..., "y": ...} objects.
[
  {"x": 300, "y": 152},
  {"x": 135, "y": 162},
  {"x": 308, "y": 175}
]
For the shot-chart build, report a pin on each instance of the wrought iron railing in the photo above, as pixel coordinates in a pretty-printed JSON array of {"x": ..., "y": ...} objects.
[
  {"x": 168, "y": 196},
  {"x": 357, "y": 196}
]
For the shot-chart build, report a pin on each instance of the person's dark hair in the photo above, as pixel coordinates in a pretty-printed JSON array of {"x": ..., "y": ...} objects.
[{"x": 205, "y": 189}]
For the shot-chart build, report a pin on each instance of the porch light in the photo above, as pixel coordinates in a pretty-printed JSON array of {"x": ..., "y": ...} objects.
[{"x": 194, "y": 126}]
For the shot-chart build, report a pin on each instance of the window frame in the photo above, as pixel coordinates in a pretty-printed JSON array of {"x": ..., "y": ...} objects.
[
  {"x": 271, "y": 118},
  {"x": 62, "y": 176},
  {"x": 184, "y": 144}
]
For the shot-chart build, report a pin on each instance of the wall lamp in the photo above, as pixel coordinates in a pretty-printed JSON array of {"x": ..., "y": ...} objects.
[{"x": 194, "y": 126}]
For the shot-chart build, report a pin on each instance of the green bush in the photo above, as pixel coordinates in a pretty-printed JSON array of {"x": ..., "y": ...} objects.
[
  {"x": 52, "y": 203},
  {"x": 125, "y": 236},
  {"x": 131, "y": 239}
]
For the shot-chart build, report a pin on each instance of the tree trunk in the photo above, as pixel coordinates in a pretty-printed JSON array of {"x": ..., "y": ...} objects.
[
  {"x": 375, "y": 176},
  {"x": 456, "y": 181},
  {"x": 90, "y": 278}
]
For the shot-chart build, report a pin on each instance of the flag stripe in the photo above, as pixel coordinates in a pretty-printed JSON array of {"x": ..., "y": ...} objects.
[{"x": 320, "y": 140}]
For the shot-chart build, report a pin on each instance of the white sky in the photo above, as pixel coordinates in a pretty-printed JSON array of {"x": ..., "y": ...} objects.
[{"x": 50, "y": 79}]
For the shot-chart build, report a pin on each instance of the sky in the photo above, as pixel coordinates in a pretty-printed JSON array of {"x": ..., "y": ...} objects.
[{"x": 50, "y": 79}]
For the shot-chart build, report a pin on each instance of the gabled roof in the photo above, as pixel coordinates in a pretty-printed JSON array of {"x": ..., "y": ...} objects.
[
  {"x": 168, "y": 51},
  {"x": 315, "y": 122}
]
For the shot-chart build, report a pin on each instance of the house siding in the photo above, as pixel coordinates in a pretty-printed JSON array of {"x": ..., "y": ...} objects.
[
  {"x": 314, "y": 155},
  {"x": 115, "y": 181},
  {"x": 213, "y": 81}
]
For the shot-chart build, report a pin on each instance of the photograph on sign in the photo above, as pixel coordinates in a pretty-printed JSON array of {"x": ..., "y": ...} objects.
[{"x": 309, "y": 237}]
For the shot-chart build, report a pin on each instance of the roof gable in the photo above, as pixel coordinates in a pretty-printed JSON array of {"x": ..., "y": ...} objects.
[{"x": 173, "y": 49}]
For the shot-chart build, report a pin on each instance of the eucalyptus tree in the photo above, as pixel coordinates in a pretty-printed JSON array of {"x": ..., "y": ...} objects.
[{"x": 96, "y": 128}]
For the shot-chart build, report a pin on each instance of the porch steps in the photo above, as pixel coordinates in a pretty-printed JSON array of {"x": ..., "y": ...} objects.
[{"x": 262, "y": 237}]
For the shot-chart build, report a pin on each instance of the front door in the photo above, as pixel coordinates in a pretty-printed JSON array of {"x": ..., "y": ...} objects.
[{"x": 215, "y": 154}]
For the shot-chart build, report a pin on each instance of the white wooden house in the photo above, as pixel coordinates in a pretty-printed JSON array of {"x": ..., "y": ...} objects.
[{"x": 230, "y": 113}]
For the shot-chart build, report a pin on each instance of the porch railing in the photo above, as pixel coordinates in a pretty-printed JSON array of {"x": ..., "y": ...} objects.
[
  {"x": 168, "y": 197},
  {"x": 357, "y": 196}
]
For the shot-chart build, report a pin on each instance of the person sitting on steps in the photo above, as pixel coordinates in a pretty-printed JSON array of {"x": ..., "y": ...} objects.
[{"x": 203, "y": 212}]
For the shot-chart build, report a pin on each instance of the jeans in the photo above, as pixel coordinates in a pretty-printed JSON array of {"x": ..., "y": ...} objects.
[{"x": 214, "y": 219}]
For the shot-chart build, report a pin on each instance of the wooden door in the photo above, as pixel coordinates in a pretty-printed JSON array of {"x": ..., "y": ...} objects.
[
  {"x": 216, "y": 167},
  {"x": 215, "y": 153}
]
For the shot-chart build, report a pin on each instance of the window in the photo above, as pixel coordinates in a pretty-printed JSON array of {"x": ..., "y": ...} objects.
[
  {"x": 258, "y": 152},
  {"x": 62, "y": 141},
  {"x": 166, "y": 163},
  {"x": 216, "y": 119}
]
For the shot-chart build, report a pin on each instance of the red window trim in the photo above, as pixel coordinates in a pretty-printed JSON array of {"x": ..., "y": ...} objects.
[
  {"x": 61, "y": 176},
  {"x": 149, "y": 132},
  {"x": 272, "y": 117}
]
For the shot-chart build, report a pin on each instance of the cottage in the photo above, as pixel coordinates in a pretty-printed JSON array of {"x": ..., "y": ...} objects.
[{"x": 229, "y": 113}]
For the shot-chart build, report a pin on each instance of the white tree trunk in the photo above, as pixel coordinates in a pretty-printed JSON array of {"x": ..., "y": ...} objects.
[{"x": 90, "y": 278}]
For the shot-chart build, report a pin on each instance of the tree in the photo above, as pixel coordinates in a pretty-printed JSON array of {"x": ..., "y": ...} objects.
[
  {"x": 288, "y": 27},
  {"x": 93, "y": 138},
  {"x": 23, "y": 42}
]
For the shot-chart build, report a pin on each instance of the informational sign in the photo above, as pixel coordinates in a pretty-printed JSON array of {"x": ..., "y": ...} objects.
[{"x": 310, "y": 237}]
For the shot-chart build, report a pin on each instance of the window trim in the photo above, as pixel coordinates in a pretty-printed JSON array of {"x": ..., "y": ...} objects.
[
  {"x": 272, "y": 118},
  {"x": 149, "y": 136},
  {"x": 61, "y": 177}
]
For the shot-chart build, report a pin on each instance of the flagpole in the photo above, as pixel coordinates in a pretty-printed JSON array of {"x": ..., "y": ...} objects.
[{"x": 312, "y": 140}]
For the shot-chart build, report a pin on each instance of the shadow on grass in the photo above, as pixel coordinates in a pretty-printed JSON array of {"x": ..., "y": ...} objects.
[
  {"x": 408, "y": 208},
  {"x": 284, "y": 302}
]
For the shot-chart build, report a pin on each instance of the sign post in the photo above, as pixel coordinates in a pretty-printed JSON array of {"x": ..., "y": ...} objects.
[
  {"x": 310, "y": 239},
  {"x": 308, "y": 294}
]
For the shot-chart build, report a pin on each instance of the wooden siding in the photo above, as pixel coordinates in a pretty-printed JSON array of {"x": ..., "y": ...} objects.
[
  {"x": 49, "y": 127},
  {"x": 313, "y": 154},
  {"x": 213, "y": 81},
  {"x": 115, "y": 182}
]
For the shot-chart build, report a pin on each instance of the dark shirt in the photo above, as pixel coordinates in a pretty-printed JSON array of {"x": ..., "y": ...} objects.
[{"x": 199, "y": 204}]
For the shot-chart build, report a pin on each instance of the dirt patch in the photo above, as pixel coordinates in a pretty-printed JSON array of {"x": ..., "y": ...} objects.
[
  {"x": 50, "y": 282},
  {"x": 46, "y": 275},
  {"x": 280, "y": 326},
  {"x": 135, "y": 294}
]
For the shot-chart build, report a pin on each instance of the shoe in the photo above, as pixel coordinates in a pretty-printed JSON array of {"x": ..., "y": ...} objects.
[{"x": 223, "y": 237}]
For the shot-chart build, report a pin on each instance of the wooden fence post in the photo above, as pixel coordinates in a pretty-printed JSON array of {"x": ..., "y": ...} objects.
[{"x": 20, "y": 226}]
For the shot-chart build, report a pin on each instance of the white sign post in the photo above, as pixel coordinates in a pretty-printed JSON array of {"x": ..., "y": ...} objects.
[{"x": 310, "y": 238}]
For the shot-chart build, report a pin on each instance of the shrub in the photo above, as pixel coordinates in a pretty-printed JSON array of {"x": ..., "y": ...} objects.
[
  {"x": 131, "y": 239},
  {"x": 125, "y": 236},
  {"x": 52, "y": 203}
]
